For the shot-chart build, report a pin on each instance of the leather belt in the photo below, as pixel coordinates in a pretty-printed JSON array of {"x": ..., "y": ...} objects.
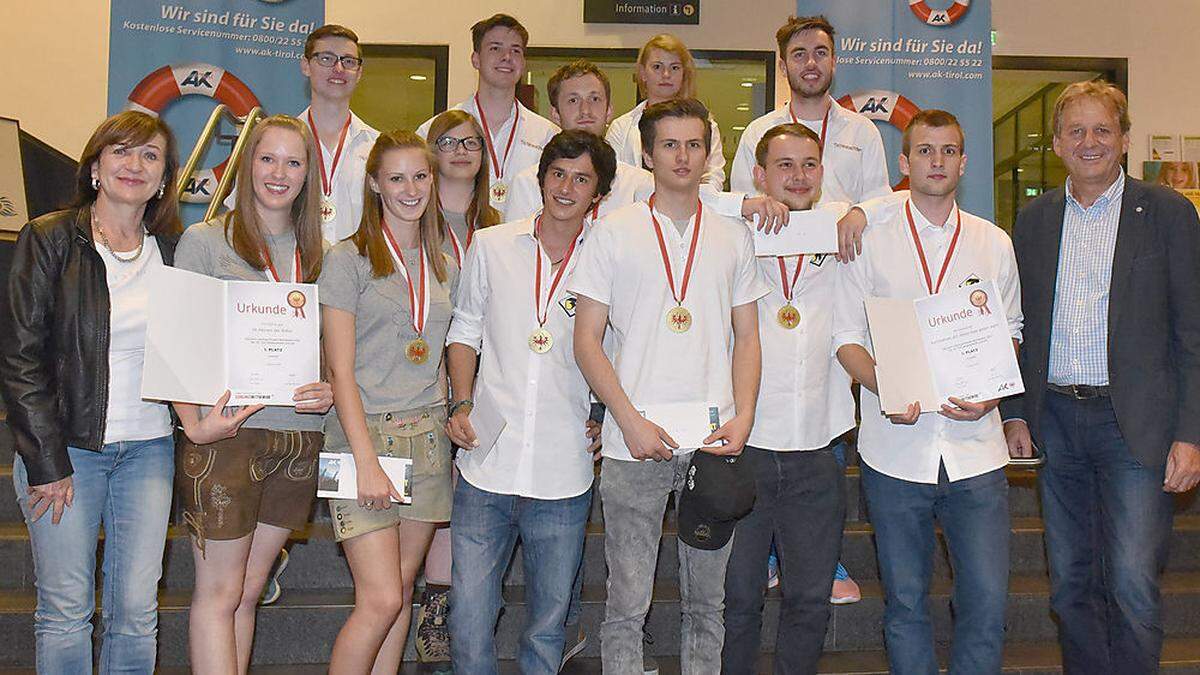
[{"x": 1080, "y": 392}]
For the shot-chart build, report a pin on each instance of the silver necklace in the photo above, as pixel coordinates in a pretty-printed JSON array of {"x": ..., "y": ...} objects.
[{"x": 104, "y": 240}]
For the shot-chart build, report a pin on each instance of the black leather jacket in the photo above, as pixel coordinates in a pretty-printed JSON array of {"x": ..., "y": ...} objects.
[{"x": 54, "y": 364}]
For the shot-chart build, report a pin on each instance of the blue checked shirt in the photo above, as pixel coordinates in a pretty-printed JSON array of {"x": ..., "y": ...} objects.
[{"x": 1079, "y": 333}]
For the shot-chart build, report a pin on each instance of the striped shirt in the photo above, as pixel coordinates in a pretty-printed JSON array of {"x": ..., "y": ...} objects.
[{"x": 1079, "y": 332}]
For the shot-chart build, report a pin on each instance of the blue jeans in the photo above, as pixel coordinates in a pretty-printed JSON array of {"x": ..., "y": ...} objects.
[
  {"x": 127, "y": 488},
  {"x": 973, "y": 513},
  {"x": 484, "y": 527},
  {"x": 1108, "y": 526}
]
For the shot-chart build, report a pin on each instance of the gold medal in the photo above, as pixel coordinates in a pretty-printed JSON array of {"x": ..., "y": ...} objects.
[
  {"x": 679, "y": 319},
  {"x": 499, "y": 192},
  {"x": 417, "y": 351},
  {"x": 788, "y": 316},
  {"x": 540, "y": 341},
  {"x": 328, "y": 210}
]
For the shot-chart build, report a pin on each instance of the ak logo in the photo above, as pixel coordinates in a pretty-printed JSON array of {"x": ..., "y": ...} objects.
[
  {"x": 195, "y": 79},
  {"x": 874, "y": 105},
  {"x": 197, "y": 187}
]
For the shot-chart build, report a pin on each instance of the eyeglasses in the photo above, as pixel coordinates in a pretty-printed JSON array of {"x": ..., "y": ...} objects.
[
  {"x": 328, "y": 59},
  {"x": 449, "y": 144}
]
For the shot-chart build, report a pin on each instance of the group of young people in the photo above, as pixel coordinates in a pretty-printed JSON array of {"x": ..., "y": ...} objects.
[{"x": 572, "y": 282}]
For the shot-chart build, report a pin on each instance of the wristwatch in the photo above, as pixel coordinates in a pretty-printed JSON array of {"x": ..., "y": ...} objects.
[{"x": 464, "y": 403}]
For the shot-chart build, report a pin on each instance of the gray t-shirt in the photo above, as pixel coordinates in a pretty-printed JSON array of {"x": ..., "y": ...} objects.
[
  {"x": 387, "y": 380},
  {"x": 204, "y": 249},
  {"x": 458, "y": 225}
]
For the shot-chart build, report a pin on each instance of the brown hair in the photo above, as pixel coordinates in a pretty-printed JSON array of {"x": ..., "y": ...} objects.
[
  {"x": 370, "y": 237},
  {"x": 497, "y": 21},
  {"x": 133, "y": 128},
  {"x": 678, "y": 107},
  {"x": 479, "y": 212},
  {"x": 243, "y": 229},
  {"x": 571, "y": 71},
  {"x": 329, "y": 30},
  {"x": 673, "y": 45},
  {"x": 788, "y": 129},
  {"x": 799, "y": 24},
  {"x": 1107, "y": 93},
  {"x": 935, "y": 118}
]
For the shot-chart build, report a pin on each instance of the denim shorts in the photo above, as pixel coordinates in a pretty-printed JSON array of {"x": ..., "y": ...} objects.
[
  {"x": 419, "y": 435},
  {"x": 258, "y": 476}
]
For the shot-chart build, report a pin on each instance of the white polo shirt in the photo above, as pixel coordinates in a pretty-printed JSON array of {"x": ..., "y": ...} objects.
[
  {"x": 622, "y": 267},
  {"x": 889, "y": 268},
  {"x": 804, "y": 398},
  {"x": 543, "y": 451},
  {"x": 853, "y": 157},
  {"x": 347, "y": 180},
  {"x": 625, "y": 137},
  {"x": 631, "y": 184},
  {"x": 532, "y": 134}
]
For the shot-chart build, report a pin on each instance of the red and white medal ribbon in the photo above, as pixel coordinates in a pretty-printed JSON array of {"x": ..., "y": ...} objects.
[
  {"x": 824, "y": 121},
  {"x": 327, "y": 180},
  {"x": 542, "y": 309},
  {"x": 497, "y": 164},
  {"x": 273, "y": 274},
  {"x": 419, "y": 306},
  {"x": 681, "y": 294},
  {"x": 789, "y": 287},
  {"x": 912, "y": 229},
  {"x": 459, "y": 250}
]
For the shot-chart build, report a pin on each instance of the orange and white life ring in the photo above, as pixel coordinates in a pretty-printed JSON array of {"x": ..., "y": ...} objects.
[
  {"x": 159, "y": 88},
  {"x": 883, "y": 106},
  {"x": 939, "y": 17}
]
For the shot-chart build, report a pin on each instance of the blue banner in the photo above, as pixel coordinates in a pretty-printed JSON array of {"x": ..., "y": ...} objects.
[
  {"x": 896, "y": 57},
  {"x": 178, "y": 59}
]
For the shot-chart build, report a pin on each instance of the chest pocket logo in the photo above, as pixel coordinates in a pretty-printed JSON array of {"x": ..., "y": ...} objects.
[
  {"x": 568, "y": 304},
  {"x": 971, "y": 280}
]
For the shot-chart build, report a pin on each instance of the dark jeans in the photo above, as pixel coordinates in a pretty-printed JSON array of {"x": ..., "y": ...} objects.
[
  {"x": 801, "y": 503},
  {"x": 973, "y": 513},
  {"x": 1108, "y": 526}
]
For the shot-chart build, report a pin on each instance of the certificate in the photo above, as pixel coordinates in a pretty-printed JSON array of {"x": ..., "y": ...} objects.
[
  {"x": 258, "y": 339},
  {"x": 689, "y": 423},
  {"x": 955, "y": 343},
  {"x": 812, "y": 231},
  {"x": 487, "y": 422},
  {"x": 337, "y": 477}
]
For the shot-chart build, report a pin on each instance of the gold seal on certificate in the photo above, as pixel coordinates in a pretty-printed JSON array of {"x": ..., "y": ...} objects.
[
  {"x": 499, "y": 192},
  {"x": 328, "y": 210},
  {"x": 788, "y": 316},
  {"x": 540, "y": 341},
  {"x": 417, "y": 351},
  {"x": 296, "y": 299},
  {"x": 980, "y": 299},
  {"x": 679, "y": 319}
]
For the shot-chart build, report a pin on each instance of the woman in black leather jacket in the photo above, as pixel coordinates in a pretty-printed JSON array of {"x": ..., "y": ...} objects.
[{"x": 90, "y": 450}]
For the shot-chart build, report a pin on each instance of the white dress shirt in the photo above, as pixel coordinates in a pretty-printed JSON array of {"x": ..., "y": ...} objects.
[
  {"x": 853, "y": 157},
  {"x": 543, "y": 451},
  {"x": 889, "y": 268},
  {"x": 625, "y": 137},
  {"x": 622, "y": 267},
  {"x": 631, "y": 184},
  {"x": 532, "y": 134},
  {"x": 347, "y": 180},
  {"x": 804, "y": 399}
]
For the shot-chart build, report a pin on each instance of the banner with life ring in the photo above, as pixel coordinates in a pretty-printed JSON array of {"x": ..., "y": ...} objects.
[
  {"x": 180, "y": 58},
  {"x": 897, "y": 57}
]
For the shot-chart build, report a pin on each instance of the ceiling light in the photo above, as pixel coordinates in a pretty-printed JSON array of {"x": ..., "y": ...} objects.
[{"x": 418, "y": 78}]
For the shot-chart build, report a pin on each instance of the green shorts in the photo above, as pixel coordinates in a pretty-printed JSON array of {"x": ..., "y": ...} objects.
[{"x": 416, "y": 434}]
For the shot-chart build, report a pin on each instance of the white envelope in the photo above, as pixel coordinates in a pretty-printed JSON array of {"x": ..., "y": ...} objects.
[
  {"x": 687, "y": 423},
  {"x": 487, "y": 422},
  {"x": 337, "y": 477},
  {"x": 812, "y": 231}
]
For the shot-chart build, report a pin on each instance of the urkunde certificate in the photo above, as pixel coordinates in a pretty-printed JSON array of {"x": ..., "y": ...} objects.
[
  {"x": 258, "y": 339},
  {"x": 955, "y": 343}
]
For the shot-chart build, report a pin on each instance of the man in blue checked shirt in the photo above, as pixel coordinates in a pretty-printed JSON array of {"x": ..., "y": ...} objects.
[{"x": 1111, "y": 363}]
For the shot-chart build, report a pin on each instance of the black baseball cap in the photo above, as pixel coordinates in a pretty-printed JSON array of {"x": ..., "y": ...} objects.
[{"x": 719, "y": 490}]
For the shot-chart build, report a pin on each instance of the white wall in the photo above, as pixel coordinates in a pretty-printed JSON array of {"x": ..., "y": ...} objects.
[{"x": 53, "y": 76}]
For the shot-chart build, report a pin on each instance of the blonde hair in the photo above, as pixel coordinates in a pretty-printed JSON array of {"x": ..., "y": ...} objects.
[
  {"x": 370, "y": 237},
  {"x": 672, "y": 45},
  {"x": 479, "y": 212},
  {"x": 243, "y": 229},
  {"x": 1189, "y": 168},
  {"x": 1108, "y": 94}
]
